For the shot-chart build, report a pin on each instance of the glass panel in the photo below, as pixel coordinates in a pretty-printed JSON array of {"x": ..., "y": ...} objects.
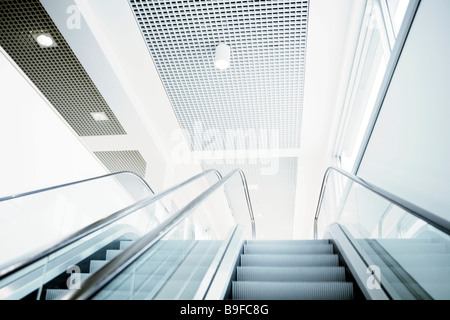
[
  {"x": 367, "y": 75},
  {"x": 44, "y": 218},
  {"x": 413, "y": 257},
  {"x": 379, "y": 30},
  {"x": 175, "y": 267},
  {"x": 52, "y": 276}
]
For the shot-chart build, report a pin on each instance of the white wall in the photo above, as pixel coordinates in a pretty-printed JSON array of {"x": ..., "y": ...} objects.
[
  {"x": 409, "y": 151},
  {"x": 37, "y": 149}
]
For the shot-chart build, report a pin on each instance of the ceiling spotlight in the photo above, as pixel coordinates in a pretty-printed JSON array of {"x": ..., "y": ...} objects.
[
  {"x": 222, "y": 59},
  {"x": 99, "y": 116},
  {"x": 45, "y": 40}
]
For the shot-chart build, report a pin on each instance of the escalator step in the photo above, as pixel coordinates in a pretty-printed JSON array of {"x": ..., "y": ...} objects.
[
  {"x": 288, "y": 249},
  {"x": 256, "y": 290},
  {"x": 55, "y": 294},
  {"x": 111, "y": 254},
  {"x": 288, "y": 242},
  {"x": 96, "y": 265},
  {"x": 308, "y": 274},
  {"x": 279, "y": 260},
  {"x": 124, "y": 244}
]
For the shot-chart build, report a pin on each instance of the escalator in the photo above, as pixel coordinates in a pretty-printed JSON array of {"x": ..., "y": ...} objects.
[
  {"x": 179, "y": 245},
  {"x": 291, "y": 270}
]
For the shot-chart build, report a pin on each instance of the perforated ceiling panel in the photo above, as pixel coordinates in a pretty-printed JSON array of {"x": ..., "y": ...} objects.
[
  {"x": 55, "y": 70},
  {"x": 262, "y": 89},
  {"x": 127, "y": 160},
  {"x": 272, "y": 187}
]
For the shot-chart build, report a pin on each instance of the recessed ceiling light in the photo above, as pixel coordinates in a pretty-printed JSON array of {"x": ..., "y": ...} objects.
[
  {"x": 99, "y": 116},
  {"x": 222, "y": 58},
  {"x": 45, "y": 40}
]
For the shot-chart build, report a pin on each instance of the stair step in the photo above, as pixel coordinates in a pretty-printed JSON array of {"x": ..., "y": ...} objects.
[
  {"x": 121, "y": 295},
  {"x": 124, "y": 244},
  {"x": 134, "y": 283},
  {"x": 257, "y": 290},
  {"x": 111, "y": 254},
  {"x": 288, "y": 249},
  {"x": 280, "y": 260},
  {"x": 56, "y": 294},
  {"x": 288, "y": 242},
  {"x": 308, "y": 274},
  {"x": 97, "y": 265},
  {"x": 175, "y": 289}
]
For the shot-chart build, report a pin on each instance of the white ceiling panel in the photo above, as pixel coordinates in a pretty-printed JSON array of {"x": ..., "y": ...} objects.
[{"x": 262, "y": 89}]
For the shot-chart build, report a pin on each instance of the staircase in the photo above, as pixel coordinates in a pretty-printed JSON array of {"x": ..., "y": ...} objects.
[
  {"x": 172, "y": 269},
  {"x": 58, "y": 287},
  {"x": 266, "y": 270},
  {"x": 290, "y": 270}
]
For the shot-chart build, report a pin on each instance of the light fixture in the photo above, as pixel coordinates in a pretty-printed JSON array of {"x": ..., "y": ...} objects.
[
  {"x": 45, "y": 40},
  {"x": 99, "y": 116},
  {"x": 222, "y": 59}
]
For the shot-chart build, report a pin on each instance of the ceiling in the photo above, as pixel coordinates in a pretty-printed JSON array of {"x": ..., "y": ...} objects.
[
  {"x": 149, "y": 66},
  {"x": 263, "y": 87},
  {"x": 254, "y": 104}
]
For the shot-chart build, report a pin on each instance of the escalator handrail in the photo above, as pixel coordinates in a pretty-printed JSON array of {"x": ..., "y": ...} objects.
[
  {"x": 15, "y": 196},
  {"x": 432, "y": 219},
  {"x": 112, "y": 269},
  {"x": 16, "y": 266}
]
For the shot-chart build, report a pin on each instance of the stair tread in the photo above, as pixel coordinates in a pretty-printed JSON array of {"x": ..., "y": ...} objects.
[
  {"x": 290, "y": 274},
  {"x": 288, "y": 249},
  {"x": 111, "y": 254},
  {"x": 289, "y": 260},
  {"x": 288, "y": 242},
  {"x": 56, "y": 294},
  {"x": 274, "y": 290}
]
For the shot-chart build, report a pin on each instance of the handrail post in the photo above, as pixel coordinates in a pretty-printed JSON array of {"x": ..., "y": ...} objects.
[
  {"x": 319, "y": 203},
  {"x": 249, "y": 203}
]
